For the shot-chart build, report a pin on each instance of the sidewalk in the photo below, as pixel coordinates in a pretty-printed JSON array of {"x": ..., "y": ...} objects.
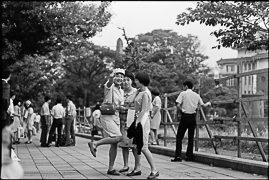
[{"x": 76, "y": 162}]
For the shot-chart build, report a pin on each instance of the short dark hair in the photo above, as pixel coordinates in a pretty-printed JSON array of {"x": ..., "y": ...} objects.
[
  {"x": 129, "y": 74},
  {"x": 6, "y": 73},
  {"x": 47, "y": 98},
  {"x": 69, "y": 96},
  {"x": 143, "y": 78},
  {"x": 12, "y": 93},
  {"x": 16, "y": 101},
  {"x": 58, "y": 100},
  {"x": 189, "y": 84},
  {"x": 155, "y": 91}
]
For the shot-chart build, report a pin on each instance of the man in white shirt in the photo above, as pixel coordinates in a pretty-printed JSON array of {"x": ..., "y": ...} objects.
[
  {"x": 45, "y": 118},
  {"x": 69, "y": 126},
  {"x": 58, "y": 114},
  {"x": 188, "y": 102}
]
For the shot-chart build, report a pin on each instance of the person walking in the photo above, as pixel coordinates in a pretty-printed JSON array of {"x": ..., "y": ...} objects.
[
  {"x": 188, "y": 103},
  {"x": 69, "y": 126},
  {"x": 142, "y": 104},
  {"x": 111, "y": 123},
  {"x": 129, "y": 94},
  {"x": 58, "y": 113},
  {"x": 37, "y": 122},
  {"x": 45, "y": 121},
  {"x": 155, "y": 116}
]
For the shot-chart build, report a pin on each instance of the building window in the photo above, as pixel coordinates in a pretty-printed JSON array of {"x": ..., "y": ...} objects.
[
  {"x": 249, "y": 80},
  {"x": 227, "y": 68},
  {"x": 246, "y": 66},
  {"x": 245, "y": 80},
  {"x": 263, "y": 79},
  {"x": 245, "y": 92},
  {"x": 232, "y": 82},
  {"x": 253, "y": 66},
  {"x": 227, "y": 82},
  {"x": 249, "y": 66},
  {"x": 232, "y": 68},
  {"x": 248, "y": 92}
]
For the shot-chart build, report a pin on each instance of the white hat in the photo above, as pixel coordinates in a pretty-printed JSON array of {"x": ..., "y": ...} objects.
[
  {"x": 28, "y": 102},
  {"x": 118, "y": 70}
]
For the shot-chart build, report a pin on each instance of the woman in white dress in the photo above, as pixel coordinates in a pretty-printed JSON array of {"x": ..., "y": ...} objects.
[
  {"x": 17, "y": 120},
  {"x": 29, "y": 121},
  {"x": 111, "y": 123},
  {"x": 155, "y": 116},
  {"x": 142, "y": 104}
]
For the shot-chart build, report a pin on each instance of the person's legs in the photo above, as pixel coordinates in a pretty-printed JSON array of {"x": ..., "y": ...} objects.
[
  {"x": 152, "y": 136},
  {"x": 191, "y": 130},
  {"x": 52, "y": 131},
  {"x": 149, "y": 158},
  {"x": 137, "y": 160},
  {"x": 67, "y": 130},
  {"x": 44, "y": 131},
  {"x": 180, "y": 135},
  {"x": 72, "y": 132},
  {"x": 112, "y": 155},
  {"x": 59, "y": 132},
  {"x": 107, "y": 140},
  {"x": 125, "y": 154}
]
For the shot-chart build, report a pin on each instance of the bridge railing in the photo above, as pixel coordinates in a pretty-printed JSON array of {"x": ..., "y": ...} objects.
[{"x": 202, "y": 120}]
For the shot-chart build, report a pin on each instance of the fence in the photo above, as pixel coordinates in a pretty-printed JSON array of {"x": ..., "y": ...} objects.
[{"x": 202, "y": 120}]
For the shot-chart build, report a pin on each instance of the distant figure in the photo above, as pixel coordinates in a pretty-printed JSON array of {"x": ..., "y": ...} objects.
[
  {"x": 96, "y": 119},
  {"x": 155, "y": 116},
  {"x": 17, "y": 121},
  {"x": 45, "y": 121},
  {"x": 37, "y": 122},
  {"x": 70, "y": 117},
  {"x": 29, "y": 121},
  {"x": 188, "y": 103}
]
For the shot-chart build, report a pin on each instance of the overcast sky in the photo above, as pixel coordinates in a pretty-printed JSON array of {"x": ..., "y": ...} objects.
[{"x": 141, "y": 17}]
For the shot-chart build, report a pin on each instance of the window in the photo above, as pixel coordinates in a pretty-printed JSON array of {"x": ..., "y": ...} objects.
[
  {"x": 232, "y": 82},
  {"x": 249, "y": 66},
  {"x": 249, "y": 80},
  {"x": 227, "y": 82},
  {"x": 248, "y": 92},
  {"x": 245, "y": 80},
  {"x": 253, "y": 66},
  {"x": 232, "y": 68},
  {"x": 227, "y": 68},
  {"x": 246, "y": 67},
  {"x": 263, "y": 78}
]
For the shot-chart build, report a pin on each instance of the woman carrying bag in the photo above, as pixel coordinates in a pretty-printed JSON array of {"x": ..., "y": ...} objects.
[{"x": 111, "y": 123}]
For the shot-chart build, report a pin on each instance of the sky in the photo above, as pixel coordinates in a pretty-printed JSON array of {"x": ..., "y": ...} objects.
[{"x": 139, "y": 17}]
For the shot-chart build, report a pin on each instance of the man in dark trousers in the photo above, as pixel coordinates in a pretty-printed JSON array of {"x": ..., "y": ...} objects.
[
  {"x": 188, "y": 103},
  {"x": 6, "y": 75},
  {"x": 45, "y": 121}
]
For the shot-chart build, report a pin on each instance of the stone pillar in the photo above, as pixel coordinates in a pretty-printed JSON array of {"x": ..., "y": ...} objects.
[{"x": 119, "y": 46}]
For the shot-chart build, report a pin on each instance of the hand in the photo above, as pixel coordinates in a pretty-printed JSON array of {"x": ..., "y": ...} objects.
[{"x": 208, "y": 104}]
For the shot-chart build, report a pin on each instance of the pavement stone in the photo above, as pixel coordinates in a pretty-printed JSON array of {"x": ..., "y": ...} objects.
[{"x": 76, "y": 162}]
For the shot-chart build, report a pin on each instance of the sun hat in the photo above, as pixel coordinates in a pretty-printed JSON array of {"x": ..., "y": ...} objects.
[{"x": 116, "y": 71}]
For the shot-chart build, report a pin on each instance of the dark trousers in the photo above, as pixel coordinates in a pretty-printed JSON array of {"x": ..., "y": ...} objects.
[
  {"x": 44, "y": 131},
  {"x": 69, "y": 130},
  {"x": 57, "y": 123},
  {"x": 188, "y": 121}
]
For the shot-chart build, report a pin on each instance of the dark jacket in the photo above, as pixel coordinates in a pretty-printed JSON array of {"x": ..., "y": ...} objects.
[{"x": 137, "y": 134}]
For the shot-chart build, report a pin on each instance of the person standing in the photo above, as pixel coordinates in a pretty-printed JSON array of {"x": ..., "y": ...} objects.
[
  {"x": 143, "y": 106},
  {"x": 155, "y": 116},
  {"x": 11, "y": 112},
  {"x": 45, "y": 121},
  {"x": 58, "y": 113},
  {"x": 29, "y": 121},
  {"x": 129, "y": 94},
  {"x": 69, "y": 126},
  {"x": 111, "y": 123},
  {"x": 37, "y": 122},
  {"x": 188, "y": 103},
  {"x": 96, "y": 119},
  {"x": 17, "y": 121}
]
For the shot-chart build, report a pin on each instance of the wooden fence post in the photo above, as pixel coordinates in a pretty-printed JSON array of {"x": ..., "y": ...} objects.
[
  {"x": 196, "y": 143},
  {"x": 165, "y": 120},
  {"x": 239, "y": 83}
]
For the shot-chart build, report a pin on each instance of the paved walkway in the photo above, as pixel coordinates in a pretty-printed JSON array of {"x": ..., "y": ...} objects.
[{"x": 76, "y": 162}]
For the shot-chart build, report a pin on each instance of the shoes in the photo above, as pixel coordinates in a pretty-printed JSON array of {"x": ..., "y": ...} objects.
[
  {"x": 153, "y": 175},
  {"x": 133, "y": 173},
  {"x": 43, "y": 145},
  {"x": 154, "y": 143},
  {"x": 188, "y": 159},
  {"x": 178, "y": 159},
  {"x": 124, "y": 170},
  {"x": 93, "y": 150},
  {"x": 48, "y": 145},
  {"x": 113, "y": 172}
]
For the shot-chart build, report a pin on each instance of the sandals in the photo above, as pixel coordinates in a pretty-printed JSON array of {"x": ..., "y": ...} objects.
[{"x": 92, "y": 149}]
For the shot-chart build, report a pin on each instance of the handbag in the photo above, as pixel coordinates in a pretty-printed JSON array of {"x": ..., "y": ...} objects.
[
  {"x": 20, "y": 132},
  {"x": 107, "y": 108}
]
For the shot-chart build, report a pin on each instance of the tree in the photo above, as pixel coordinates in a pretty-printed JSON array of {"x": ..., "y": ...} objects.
[
  {"x": 33, "y": 27},
  {"x": 244, "y": 23}
]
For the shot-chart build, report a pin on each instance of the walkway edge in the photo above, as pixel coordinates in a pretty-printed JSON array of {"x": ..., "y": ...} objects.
[{"x": 243, "y": 165}]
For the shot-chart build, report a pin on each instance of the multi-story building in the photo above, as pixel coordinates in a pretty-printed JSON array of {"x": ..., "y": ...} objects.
[{"x": 252, "y": 85}]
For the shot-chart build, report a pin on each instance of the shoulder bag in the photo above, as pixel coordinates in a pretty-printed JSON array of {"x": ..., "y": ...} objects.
[{"x": 107, "y": 108}]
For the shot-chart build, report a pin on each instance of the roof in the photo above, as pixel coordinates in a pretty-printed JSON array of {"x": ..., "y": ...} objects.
[
  {"x": 259, "y": 56},
  {"x": 232, "y": 60}
]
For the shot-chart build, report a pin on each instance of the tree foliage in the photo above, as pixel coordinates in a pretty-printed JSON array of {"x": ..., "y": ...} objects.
[
  {"x": 33, "y": 27},
  {"x": 244, "y": 23}
]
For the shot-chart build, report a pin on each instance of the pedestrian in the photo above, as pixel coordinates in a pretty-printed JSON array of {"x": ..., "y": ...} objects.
[
  {"x": 96, "y": 119},
  {"x": 29, "y": 121},
  {"x": 11, "y": 112},
  {"x": 188, "y": 103},
  {"x": 69, "y": 126},
  {"x": 17, "y": 121},
  {"x": 45, "y": 121},
  {"x": 129, "y": 94},
  {"x": 37, "y": 122},
  {"x": 58, "y": 113},
  {"x": 111, "y": 123},
  {"x": 142, "y": 104},
  {"x": 155, "y": 116}
]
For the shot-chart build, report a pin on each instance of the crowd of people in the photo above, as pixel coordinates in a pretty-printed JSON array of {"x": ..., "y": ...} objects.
[{"x": 133, "y": 126}]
